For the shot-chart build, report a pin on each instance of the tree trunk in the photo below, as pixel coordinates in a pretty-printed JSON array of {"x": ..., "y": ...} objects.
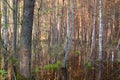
[
  {"x": 100, "y": 41},
  {"x": 5, "y": 33},
  {"x": 70, "y": 34},
  {"x": 92, "y": 54},
  {"x": 26, "y": 38},
  {"x": 94, "y": 28},
  {"x": 0, "y": 29},
  {"x": 15, "y": 8}
]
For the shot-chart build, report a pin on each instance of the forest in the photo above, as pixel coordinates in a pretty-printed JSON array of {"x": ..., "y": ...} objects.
[{"x": 59, "y": 39}]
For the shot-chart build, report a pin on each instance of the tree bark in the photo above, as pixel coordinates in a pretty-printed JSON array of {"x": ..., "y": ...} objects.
[
  {"x": 100, "y": 40},
  {"x": 0, "y": 29},
  {"x": 70, "y": 34},
  {"x": 26, "y": 38},
  {"x": 15, "y": 8},
  {"x": 5, "y": 33}
]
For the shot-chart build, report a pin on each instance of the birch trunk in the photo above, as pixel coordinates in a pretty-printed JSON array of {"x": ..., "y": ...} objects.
[{"x": 100, "y": 40}]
